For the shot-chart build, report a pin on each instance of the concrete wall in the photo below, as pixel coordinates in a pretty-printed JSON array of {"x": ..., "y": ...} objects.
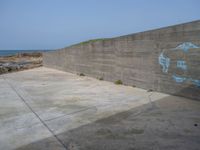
[{"x": 166, "y": 60}]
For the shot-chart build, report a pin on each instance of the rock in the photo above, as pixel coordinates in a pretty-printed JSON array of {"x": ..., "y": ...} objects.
[
  {"x": 20, "y": 62},
  {"x": 3, "y": 70}
]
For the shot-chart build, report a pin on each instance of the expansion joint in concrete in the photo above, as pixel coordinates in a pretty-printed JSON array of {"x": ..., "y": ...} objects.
[
  {"x": 153, "y": 105},
  {"x": 30, "y": 108}
]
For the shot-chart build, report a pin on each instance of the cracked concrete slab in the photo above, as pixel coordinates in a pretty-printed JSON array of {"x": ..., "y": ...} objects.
[{"x": 44, "y": 108}]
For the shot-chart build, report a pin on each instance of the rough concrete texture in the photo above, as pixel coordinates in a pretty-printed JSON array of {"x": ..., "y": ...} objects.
[
  {"x": 165, "y": 60},
  {"x": 47, "y": 109}
]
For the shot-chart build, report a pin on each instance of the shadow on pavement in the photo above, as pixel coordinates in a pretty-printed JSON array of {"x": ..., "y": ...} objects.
[{"x": 167, "y": 124}]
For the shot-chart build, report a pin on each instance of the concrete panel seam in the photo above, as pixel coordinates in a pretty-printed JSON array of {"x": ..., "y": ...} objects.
[{"x": 30, "y": 108}]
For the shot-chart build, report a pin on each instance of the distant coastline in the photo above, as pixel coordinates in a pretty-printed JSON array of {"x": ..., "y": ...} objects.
[
  {"x": 20, "y": 61},
  {"x": 14, "y": 52}
]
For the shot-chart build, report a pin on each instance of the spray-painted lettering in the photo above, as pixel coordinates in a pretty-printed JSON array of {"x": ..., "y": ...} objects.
[
  {"x": 186, "y": 46},
  {"x": 164, "y": 62},
  {"x": 179, "y": 79},
  {"x": 181, "y": 64}
]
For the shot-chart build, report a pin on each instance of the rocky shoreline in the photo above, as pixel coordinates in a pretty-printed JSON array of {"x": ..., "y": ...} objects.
[{"x": 19, "y": 62}]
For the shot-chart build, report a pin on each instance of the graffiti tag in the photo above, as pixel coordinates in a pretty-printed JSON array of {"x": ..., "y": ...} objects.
[{"x": 164, "y": 61}]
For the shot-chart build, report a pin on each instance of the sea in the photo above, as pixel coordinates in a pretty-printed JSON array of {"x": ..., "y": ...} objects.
[{"x": 14, "y": 52}]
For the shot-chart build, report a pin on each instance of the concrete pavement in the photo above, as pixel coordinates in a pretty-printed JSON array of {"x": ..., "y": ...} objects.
[{"x": 48, "y": 109}]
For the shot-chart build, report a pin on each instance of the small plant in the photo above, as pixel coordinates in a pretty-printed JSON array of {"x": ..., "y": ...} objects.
[
  {"x": 133, "y": 85},
  {"x": 149, "y": 90},
  {"x": 81, "y": 74},
  {"x": 92, "y": 41},
  {"x": 101, "y": 78},
  {"x": 118, "y": 82}
]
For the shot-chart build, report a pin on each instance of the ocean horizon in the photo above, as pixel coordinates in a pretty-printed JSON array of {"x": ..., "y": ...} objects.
[{"x": 14, "y": 52}]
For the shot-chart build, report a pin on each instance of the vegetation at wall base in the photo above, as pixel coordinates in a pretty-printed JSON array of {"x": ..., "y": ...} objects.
[{"x": 118, "y": 82}]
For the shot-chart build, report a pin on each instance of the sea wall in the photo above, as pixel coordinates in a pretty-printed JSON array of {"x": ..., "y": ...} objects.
[{"x": 166, "y": 59}]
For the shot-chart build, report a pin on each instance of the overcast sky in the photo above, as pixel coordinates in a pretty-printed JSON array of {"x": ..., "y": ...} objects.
[{"x": 52, "y": 24}]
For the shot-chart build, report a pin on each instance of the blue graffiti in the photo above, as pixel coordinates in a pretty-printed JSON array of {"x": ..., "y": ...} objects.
[
  {"x": 164, "y": 62},
  {"x": 179, "y": 79},
  {"x": 181, "y": 64},
  {"x": 186, "y": 46},
  {"x": 196, "y": 82}
]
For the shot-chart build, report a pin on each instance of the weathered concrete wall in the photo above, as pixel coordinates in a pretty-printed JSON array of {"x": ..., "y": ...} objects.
[{"x": 166, "y": 60}]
